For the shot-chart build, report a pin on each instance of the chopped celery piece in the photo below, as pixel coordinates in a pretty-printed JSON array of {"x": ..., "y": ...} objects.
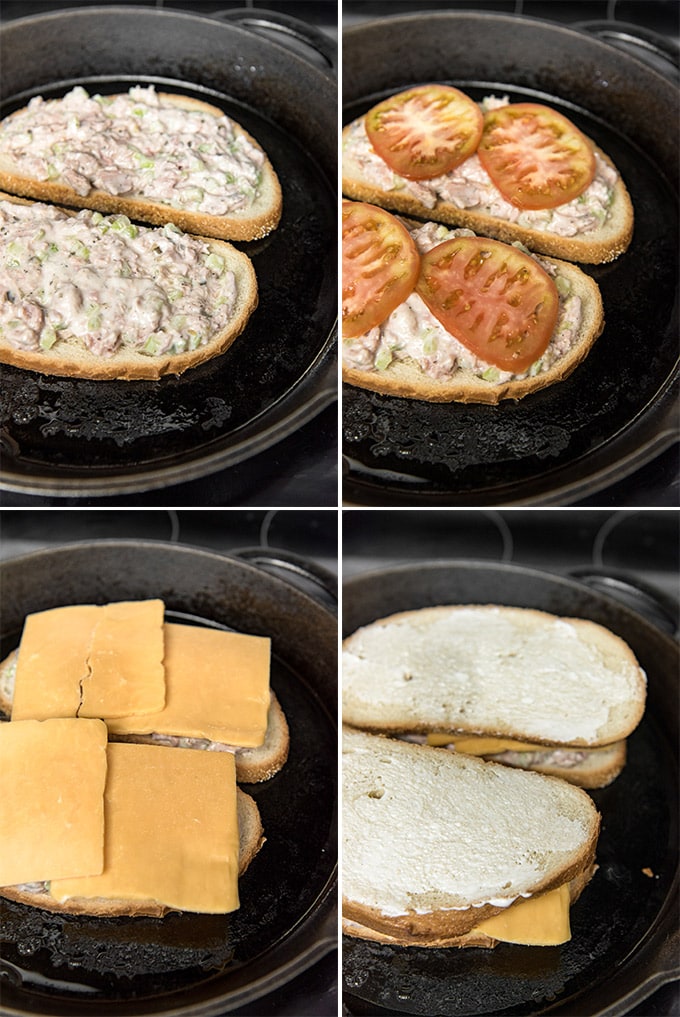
[
  {"x": 215, "y": 262},
  {"x": 121, "y": 224},
  {"x": 171, "y": 230},
  {"x": 491, "y": 374},
  {"x": 48, "y": 337},
  {"x": 383, "y": 359},
  {"x": 429, "y": 341},
  {"x": 563, "y": 285},
  {"x": 97, "y": 217},
  {"x": 153, "y": 344},
  {"x": 94, "y": 316}
]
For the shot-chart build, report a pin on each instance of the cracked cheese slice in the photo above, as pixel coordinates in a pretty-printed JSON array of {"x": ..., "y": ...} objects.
[
  {"x": 52, "y": 801},
  {"x": 91, "y": 661},
  {"x": 171, "y": 830},
  {"x": 217, "y": 687}
]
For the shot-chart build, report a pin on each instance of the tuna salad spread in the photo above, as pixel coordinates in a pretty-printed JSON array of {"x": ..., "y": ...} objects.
[
  {"x": 137, "y": 144},
  {"x": 107, "y": 282},
  {"x": 413, "y": 332},
  {"x": 469, "y": 186}
]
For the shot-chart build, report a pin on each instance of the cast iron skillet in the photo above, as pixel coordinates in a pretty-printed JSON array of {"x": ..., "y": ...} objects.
[
  {"x": 78, "y": 437},
  {"x": 184, "y": 963},
  {"x": 618, "y": 410},
  {"x": 625, "y": 941}
]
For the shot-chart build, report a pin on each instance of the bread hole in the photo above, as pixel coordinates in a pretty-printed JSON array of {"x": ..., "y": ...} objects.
[
  {"x": 377, "y": 792},
  {"x": 407, "y": 676}
]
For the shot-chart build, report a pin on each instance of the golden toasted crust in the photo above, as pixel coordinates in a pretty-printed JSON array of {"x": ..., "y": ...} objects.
[
  {"x": 71, "y": 358},
  {"x": 253, "y": 224},
  {"x": 596, "y": 247},
  {"x": 405, "y": 379}
]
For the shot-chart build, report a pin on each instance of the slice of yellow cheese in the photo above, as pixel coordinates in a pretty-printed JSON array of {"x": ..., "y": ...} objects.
[
  {"x": 91, "y": 661},
  {"x": 480, "y": 745},
  {"x": 52, "y": 800},
  {"x": 171, "y": 830},
  {"x": 536, "y": 921},
  {"x": 217, "y": 687},
  {"x": 52, "y": 662},
  {"x": 125, "y": 659}
]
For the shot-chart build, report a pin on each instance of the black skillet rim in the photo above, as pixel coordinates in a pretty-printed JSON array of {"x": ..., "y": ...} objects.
[
  {"x": 651, "y": 431},
  {"x": 313, "y": 391}
]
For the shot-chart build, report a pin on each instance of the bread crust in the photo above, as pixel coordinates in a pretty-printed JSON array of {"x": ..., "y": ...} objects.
[
  {"x": 234, "y": 226},
  {"x": 73, "y": 360},
  {"x": 251, "y": 839},
  {"x": 471, "y": 938},
  {"x": 596, "y": 247},
  {"x": 405, "y": 379}
]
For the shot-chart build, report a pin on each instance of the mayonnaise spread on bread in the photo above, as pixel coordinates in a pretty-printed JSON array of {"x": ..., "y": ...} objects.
[
  {"x": 109, "y": 282},
  {"x": 413, "y": 332},
  {"x": 138, "y": 143},
  {"x": 469, "y": 186}
]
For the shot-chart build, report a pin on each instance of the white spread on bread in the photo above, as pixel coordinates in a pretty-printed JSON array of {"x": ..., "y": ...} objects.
[
  {"x": 412, "y": 331},
  {"x": 136, "y": 143},
  {"x": 108, "y": 282},
  {"x": 469, "y": 186}
]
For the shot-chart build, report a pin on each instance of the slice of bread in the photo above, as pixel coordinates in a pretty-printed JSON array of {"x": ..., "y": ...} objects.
[
  {"x": 602, "y": 244},
  {"x": 253, "y": 220},
  {"x": 233, "y": 298},
  {"x": 252, "y": 765},
  {"x": 488, "y": 669},
  {"x": 435, "y": 842},
  {"x": 480, "y": 383},
  {"x": 251, "y": 839}
]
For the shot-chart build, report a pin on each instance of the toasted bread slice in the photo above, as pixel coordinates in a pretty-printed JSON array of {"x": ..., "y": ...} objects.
[
  {"x": 500, "y": 671},
  {"x": 57, "y": 310},
  {"x": 253, "y": 765},
  {"x": 579, "y": 323},
  {"x": 251, "y": 839},
  {"x": 35, "y": 170},
  {"x": 434, "y": 842},
  {"x": 604, "y": 242}
]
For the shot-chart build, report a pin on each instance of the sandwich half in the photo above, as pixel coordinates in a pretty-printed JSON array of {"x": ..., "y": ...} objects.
[
  {"x": 515, "y": 685},
  {"x": 443, "y": 315},
  {"x": 442, "y": 849}
]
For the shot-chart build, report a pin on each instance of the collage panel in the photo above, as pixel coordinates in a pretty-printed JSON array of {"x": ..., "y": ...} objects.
[
  {"x": 509, "y": 697},
  {"x": 507, "y": 338},
  {"x": 170, "y": 338},
  {"x": 217, "y": 891}
]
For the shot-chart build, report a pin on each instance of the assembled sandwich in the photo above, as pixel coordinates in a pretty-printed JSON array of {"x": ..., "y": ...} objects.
[
  {"x": 514, "y": 685},
  {"x": 441, "y": 849}
]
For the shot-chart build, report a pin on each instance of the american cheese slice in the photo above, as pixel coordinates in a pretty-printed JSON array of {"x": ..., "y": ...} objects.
[
  {"x": 171, "y": 830},
  {"x": 217, "y": 687},
  {"x": 52, "y": 801},
  {"x": 91, "y": 661},
  {"x": 480, "y": 745},
  {"x": 535, "y": 921},
  {"x": 52, "y": 662},
  {"x": 125, "y": 659}
]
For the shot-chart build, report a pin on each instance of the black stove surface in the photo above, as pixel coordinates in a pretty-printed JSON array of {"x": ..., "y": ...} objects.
[{"x": 646, "y": 29}]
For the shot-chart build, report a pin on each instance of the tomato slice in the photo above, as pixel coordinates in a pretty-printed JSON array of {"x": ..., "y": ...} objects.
[
  {"x": 380, "y": 265},
  {"x": 425, "y": 131},
  {"x": 535, "y": 156},
  {"x": 493, "y": 298}
]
